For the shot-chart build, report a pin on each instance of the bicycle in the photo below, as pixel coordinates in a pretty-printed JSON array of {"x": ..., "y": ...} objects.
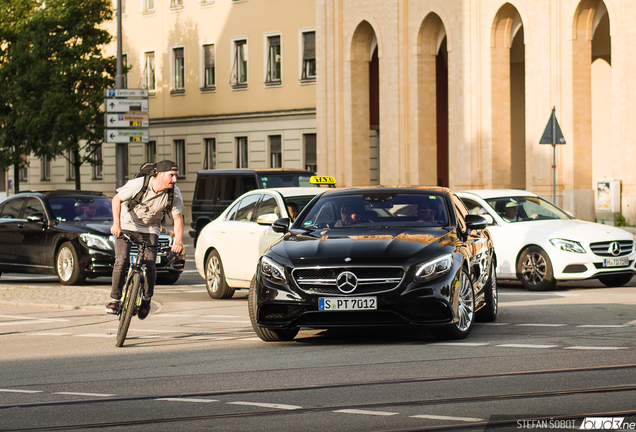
[{"x": 133, "y": 288}]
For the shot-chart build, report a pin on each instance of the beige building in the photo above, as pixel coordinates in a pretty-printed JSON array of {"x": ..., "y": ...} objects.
[
  {"x": 459, "y": 93},
  {"x": 426, "y": 92}
]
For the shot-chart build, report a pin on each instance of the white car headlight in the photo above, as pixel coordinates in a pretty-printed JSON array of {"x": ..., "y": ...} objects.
[
  {"x": 95, "y": 241},
  {"x": 567, "y": 245},
  {"x": 273, "y": 271},
  {"x": 433, "y": 268}
]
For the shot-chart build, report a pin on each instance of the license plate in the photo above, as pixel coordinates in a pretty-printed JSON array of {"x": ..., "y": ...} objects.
[
  {"x": 132, "y": 258},
  {"x": 340, "y": 304},
  {"x": 616, "y": 262}
]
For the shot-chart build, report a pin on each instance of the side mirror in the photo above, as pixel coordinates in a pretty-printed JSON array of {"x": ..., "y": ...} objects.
[
  {"x": 36, "y": 217},
  {"x": 281, "y": 225},
  {"x": 266, "y": 219},
  {"x": 475, "y": 222}
]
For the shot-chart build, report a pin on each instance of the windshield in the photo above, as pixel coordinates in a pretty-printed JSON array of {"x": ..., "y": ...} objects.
[
  {"x": 518, "y": 209},
  {"x": 81, "y": 208},
  {"x": 377, "y": 209},
  {"x": 286, "y": 180}
]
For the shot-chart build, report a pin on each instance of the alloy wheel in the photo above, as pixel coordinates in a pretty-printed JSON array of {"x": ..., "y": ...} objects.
[
  {"x": 533, "y": 268},
  {"x": 65, "y": 264},
  {"x": 213, "y": 274},
  {"x": 466, "y": 306}
]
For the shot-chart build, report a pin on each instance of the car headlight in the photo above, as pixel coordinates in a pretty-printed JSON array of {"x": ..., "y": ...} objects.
[
  {"x": 95, "y": 241},
  {"x": 567, "y": 245},
  {"x": 433, "y": 268},
  {"x": 273, "y": 271}
]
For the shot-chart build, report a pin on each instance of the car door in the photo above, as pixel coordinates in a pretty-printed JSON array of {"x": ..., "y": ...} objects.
[
  {"x": 260, "y": 237},
  {"x": 9, "y": 220},
  {"x": 34, "y": 249},
  {"x": 235, "y": 235}
]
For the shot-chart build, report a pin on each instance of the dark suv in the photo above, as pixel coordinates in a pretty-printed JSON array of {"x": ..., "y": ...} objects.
[
  {"x": 217, "y": 189},
  {"x": 67, "y": 233}
]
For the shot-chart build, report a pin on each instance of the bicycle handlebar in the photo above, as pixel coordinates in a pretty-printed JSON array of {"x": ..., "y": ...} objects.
[{"x": 131, "y": 240}]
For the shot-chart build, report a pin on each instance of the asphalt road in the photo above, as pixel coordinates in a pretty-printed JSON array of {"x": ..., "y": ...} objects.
[{"x": 551, "y": 359}]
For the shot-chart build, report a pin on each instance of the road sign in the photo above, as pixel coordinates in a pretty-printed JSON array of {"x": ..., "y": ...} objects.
[
  {"x": 126, "y": 105},
  {"x": 125, "y": 93},
  {"x": 552, "y": 133},
  {"x": 125, "y": 136},
  {"x": 126, "y": 120}
]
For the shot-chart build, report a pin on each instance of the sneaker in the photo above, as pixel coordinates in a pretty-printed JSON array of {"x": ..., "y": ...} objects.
[
  {"x": 112, "y": 307},
  {"x": 144, "y": 308}
]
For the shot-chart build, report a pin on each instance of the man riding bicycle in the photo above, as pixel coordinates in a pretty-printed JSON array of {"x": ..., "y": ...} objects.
[{"x": 143, "y": 223}]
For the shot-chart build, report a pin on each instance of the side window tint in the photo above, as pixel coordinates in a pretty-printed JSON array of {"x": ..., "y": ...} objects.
[
  {"x": 232, "y": 213},
  {"x": 206, "y": 188},
  {"x": 246, "y": 209},
  {"x": 267, "y": 206},
  {"x": 247, "y": 184},
  {"x": 11, "y": 209},
  {"x": 461, "y": 211},
  {"x": 34, "y": 205},
  {"x": 474, "y": 207},
  {"x": 227, "y": 189}
]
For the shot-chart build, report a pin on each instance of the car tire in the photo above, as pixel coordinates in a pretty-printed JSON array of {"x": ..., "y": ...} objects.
[
  {"x": 488, "y": 313},
  {"x": 67, "y": 266},
  {"x": 167, "y": 278},
  {"x": 266, "y": 335},
  {"x": 215, "y": 281},
  {"x": 534, "y": 269},
  {"x": 615, "y": 280},
  {"x": 465, "y": 312}
]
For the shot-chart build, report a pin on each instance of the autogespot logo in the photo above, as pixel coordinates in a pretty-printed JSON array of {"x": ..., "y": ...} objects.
[{"x": 347, "y": 282}]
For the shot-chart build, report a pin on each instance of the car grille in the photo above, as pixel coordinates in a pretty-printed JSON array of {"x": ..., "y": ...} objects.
[
  {"x": 350, "y": 319},
  {"x": 603, "y": 248},
  {"x": 134, "y": 249},
  {"x": 370, "y": 280}
]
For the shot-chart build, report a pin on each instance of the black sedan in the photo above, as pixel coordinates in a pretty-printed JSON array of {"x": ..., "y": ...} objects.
[
  {"x": 377, "y": 256},
  {"x": 66, "y": 233}
]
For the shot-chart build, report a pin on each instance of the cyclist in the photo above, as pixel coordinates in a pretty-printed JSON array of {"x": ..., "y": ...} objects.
[{"x": 144, "y": 223}]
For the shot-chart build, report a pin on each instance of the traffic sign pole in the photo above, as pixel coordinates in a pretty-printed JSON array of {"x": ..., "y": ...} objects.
[{"x": 552, "y": 135}]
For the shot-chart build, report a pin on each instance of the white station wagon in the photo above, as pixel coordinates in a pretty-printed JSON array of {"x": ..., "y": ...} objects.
[{"x": 540, "y": 244}]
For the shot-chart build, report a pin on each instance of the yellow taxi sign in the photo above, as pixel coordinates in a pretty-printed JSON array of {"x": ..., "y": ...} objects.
[{"x": 322, "y": 180}]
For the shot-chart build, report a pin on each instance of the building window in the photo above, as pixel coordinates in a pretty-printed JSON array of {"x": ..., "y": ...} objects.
[
  {"x": 309, "y": 56},
  {"x": 148, "y": 75},
  {"x": 97, "y": 162},
  {"x": 70, "y": 167},
  {"x": 151, "y": 151},
  {"x": 46, "y": 168},
  {"x": 124, "y": 60},
  {"x": 178, "y": 56},
  {"x": 209, "y": 161},
  {"x": 239, "y": 67},
  {"x": 273, "y": 60},
  {"x": 24, "y": 174},
  {"x": 275, "y": 152},
  {"x": 176, "y": 3},
  {"x": 148, "y": 5},
  {"x": 310, "y": 152},
  {"x": 209, "y": 65},
  {"x": 241, "y": 152},
  {"x": 180, "y": 156}
]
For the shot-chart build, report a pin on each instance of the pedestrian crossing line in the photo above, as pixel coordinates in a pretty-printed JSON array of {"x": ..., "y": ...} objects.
[
  {"x": 85, "y": 394},
  {"x": 469, "y": 344},
  {"x": 48, "y": 334},
  {"x": 95, "y": 335},
  {"x": 366, "y": 412},
  {"x": 526, "y": 346},
  {"x": 17, "y": 317},
  {"x": 266, "y": 405},
  {"x": 439, "y": 417},
  {"x": 541, "y": 325},
  {"x": 602, "y": 348},
  {"x": 20, "y": 391},
  {"x": 602, "y": 326},
  {"x": 193, "y": 400}
]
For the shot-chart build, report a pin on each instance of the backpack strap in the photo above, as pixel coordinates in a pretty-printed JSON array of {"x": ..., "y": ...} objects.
[
  {"x": 168, "y": 210},
  {"x": 136, "y": 199}
]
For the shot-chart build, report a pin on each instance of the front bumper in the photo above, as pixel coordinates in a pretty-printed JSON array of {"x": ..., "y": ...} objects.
[{"x": 572, "y": 266}]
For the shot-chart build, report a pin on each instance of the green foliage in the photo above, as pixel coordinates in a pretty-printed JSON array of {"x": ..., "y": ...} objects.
[
  {"x": 620, "y": 221},
  {"x": 52, "y": 76}
]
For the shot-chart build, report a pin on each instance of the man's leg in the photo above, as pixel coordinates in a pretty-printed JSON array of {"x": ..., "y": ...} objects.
[
  {"x": 120, "y": 270},
  {"x": 151, "y": 273}
]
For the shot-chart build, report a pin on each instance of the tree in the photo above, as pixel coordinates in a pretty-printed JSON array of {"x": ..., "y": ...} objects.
[{"x": 53, "y": 72}]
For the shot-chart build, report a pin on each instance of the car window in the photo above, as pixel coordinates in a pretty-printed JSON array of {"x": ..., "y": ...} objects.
[
  {"x": 34, "y": 205},
  {"x": 517, "y": 209},
  {"x": 206, "y": 188},
  {"x": 247, "y": 184},
  {"x": 461, "y": 211},
  {"x": 231, "y": 214},
  {"x": 296, "y": 204},
  {"x": 268, "y": 205},
  {"x": 11, "y": 209},
  {"x": 227, "y": 188},
  {"x": 69, "y": 208},
  {"x": 286, "y": 180},
  {"x": 245, "y": 210},
  {"x": 474, "y": 207}
]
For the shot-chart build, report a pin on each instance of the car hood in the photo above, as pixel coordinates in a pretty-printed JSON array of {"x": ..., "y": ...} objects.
[
  {"x": 389, "y": 246},
  {"x": 582, "y": 231}
]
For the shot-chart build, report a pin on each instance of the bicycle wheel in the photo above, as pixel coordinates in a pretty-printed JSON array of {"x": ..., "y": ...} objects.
[{"x": 128, "y": 306}]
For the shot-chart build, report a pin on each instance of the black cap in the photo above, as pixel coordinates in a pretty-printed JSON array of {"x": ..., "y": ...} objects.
[{"x": 166, "y": 165}]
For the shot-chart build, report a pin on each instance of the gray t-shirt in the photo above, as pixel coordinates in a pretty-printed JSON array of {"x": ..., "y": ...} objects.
[{"x": 146, "y": 217}]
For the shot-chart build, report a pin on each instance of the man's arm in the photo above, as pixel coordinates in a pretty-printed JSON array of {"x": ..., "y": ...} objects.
[
  {"x": 116, "y": 228},
  {"x": 178, "y": 233}
]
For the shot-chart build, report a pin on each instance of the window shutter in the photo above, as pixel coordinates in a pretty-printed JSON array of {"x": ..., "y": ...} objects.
[
  {"x": 310, "y": 46},
  {"x": 209, "y": 56}
]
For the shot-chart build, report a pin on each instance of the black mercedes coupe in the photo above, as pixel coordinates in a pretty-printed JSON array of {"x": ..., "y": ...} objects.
[{"x": 377, "y": 256}]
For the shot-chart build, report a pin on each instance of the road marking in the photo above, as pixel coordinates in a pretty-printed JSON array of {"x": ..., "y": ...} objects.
[
  {"x": 594, "y": 348},
  {"x": 631, "y": 323},
  {"x": 438, "y": 417},
  {"x": 602, "y": 326},
  {"x": 267, "y": 405},
  {"x": 472, "y": 344},
  {"x": 493, "y": 324},
  {"x": 160, "y": 315},
  {"x": 85, "y": 394},
  {"x": 188, "y": 400},
  {"x": 222, "y": 316},
  {"x": 229, "y": 321},
  {"x": 539, "y": 294},
  {"x": 366, "y": 412},
  {"x": 34, "y": 319},
  {"x": 526, "y": 346},
  {"x": 541, "y": 325},
  {"x": 95, "y": 335},
  {"x": 22, "y": 323},
  {"x": 48, "y": 334},
  {"x": 194, "y": 291},
  {"x": 20, "y": 391}
]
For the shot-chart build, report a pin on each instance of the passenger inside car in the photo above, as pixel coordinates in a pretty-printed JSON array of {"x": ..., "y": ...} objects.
[{"x": 350, "y": 214}]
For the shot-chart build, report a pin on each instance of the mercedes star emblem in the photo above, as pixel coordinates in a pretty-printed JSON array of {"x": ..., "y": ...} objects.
[
  {"x": 347, "y": 282},
  {"x": 614, "y": 248}
]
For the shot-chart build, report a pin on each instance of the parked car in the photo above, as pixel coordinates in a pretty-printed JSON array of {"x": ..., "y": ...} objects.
[
  {"x": 67, "y": 233},
  {"x": 216, "y": 189},
  {"x": 377, "y": 256},
  {"x": 540, "y": 244},
  {"x": 229, "y": 247}
]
